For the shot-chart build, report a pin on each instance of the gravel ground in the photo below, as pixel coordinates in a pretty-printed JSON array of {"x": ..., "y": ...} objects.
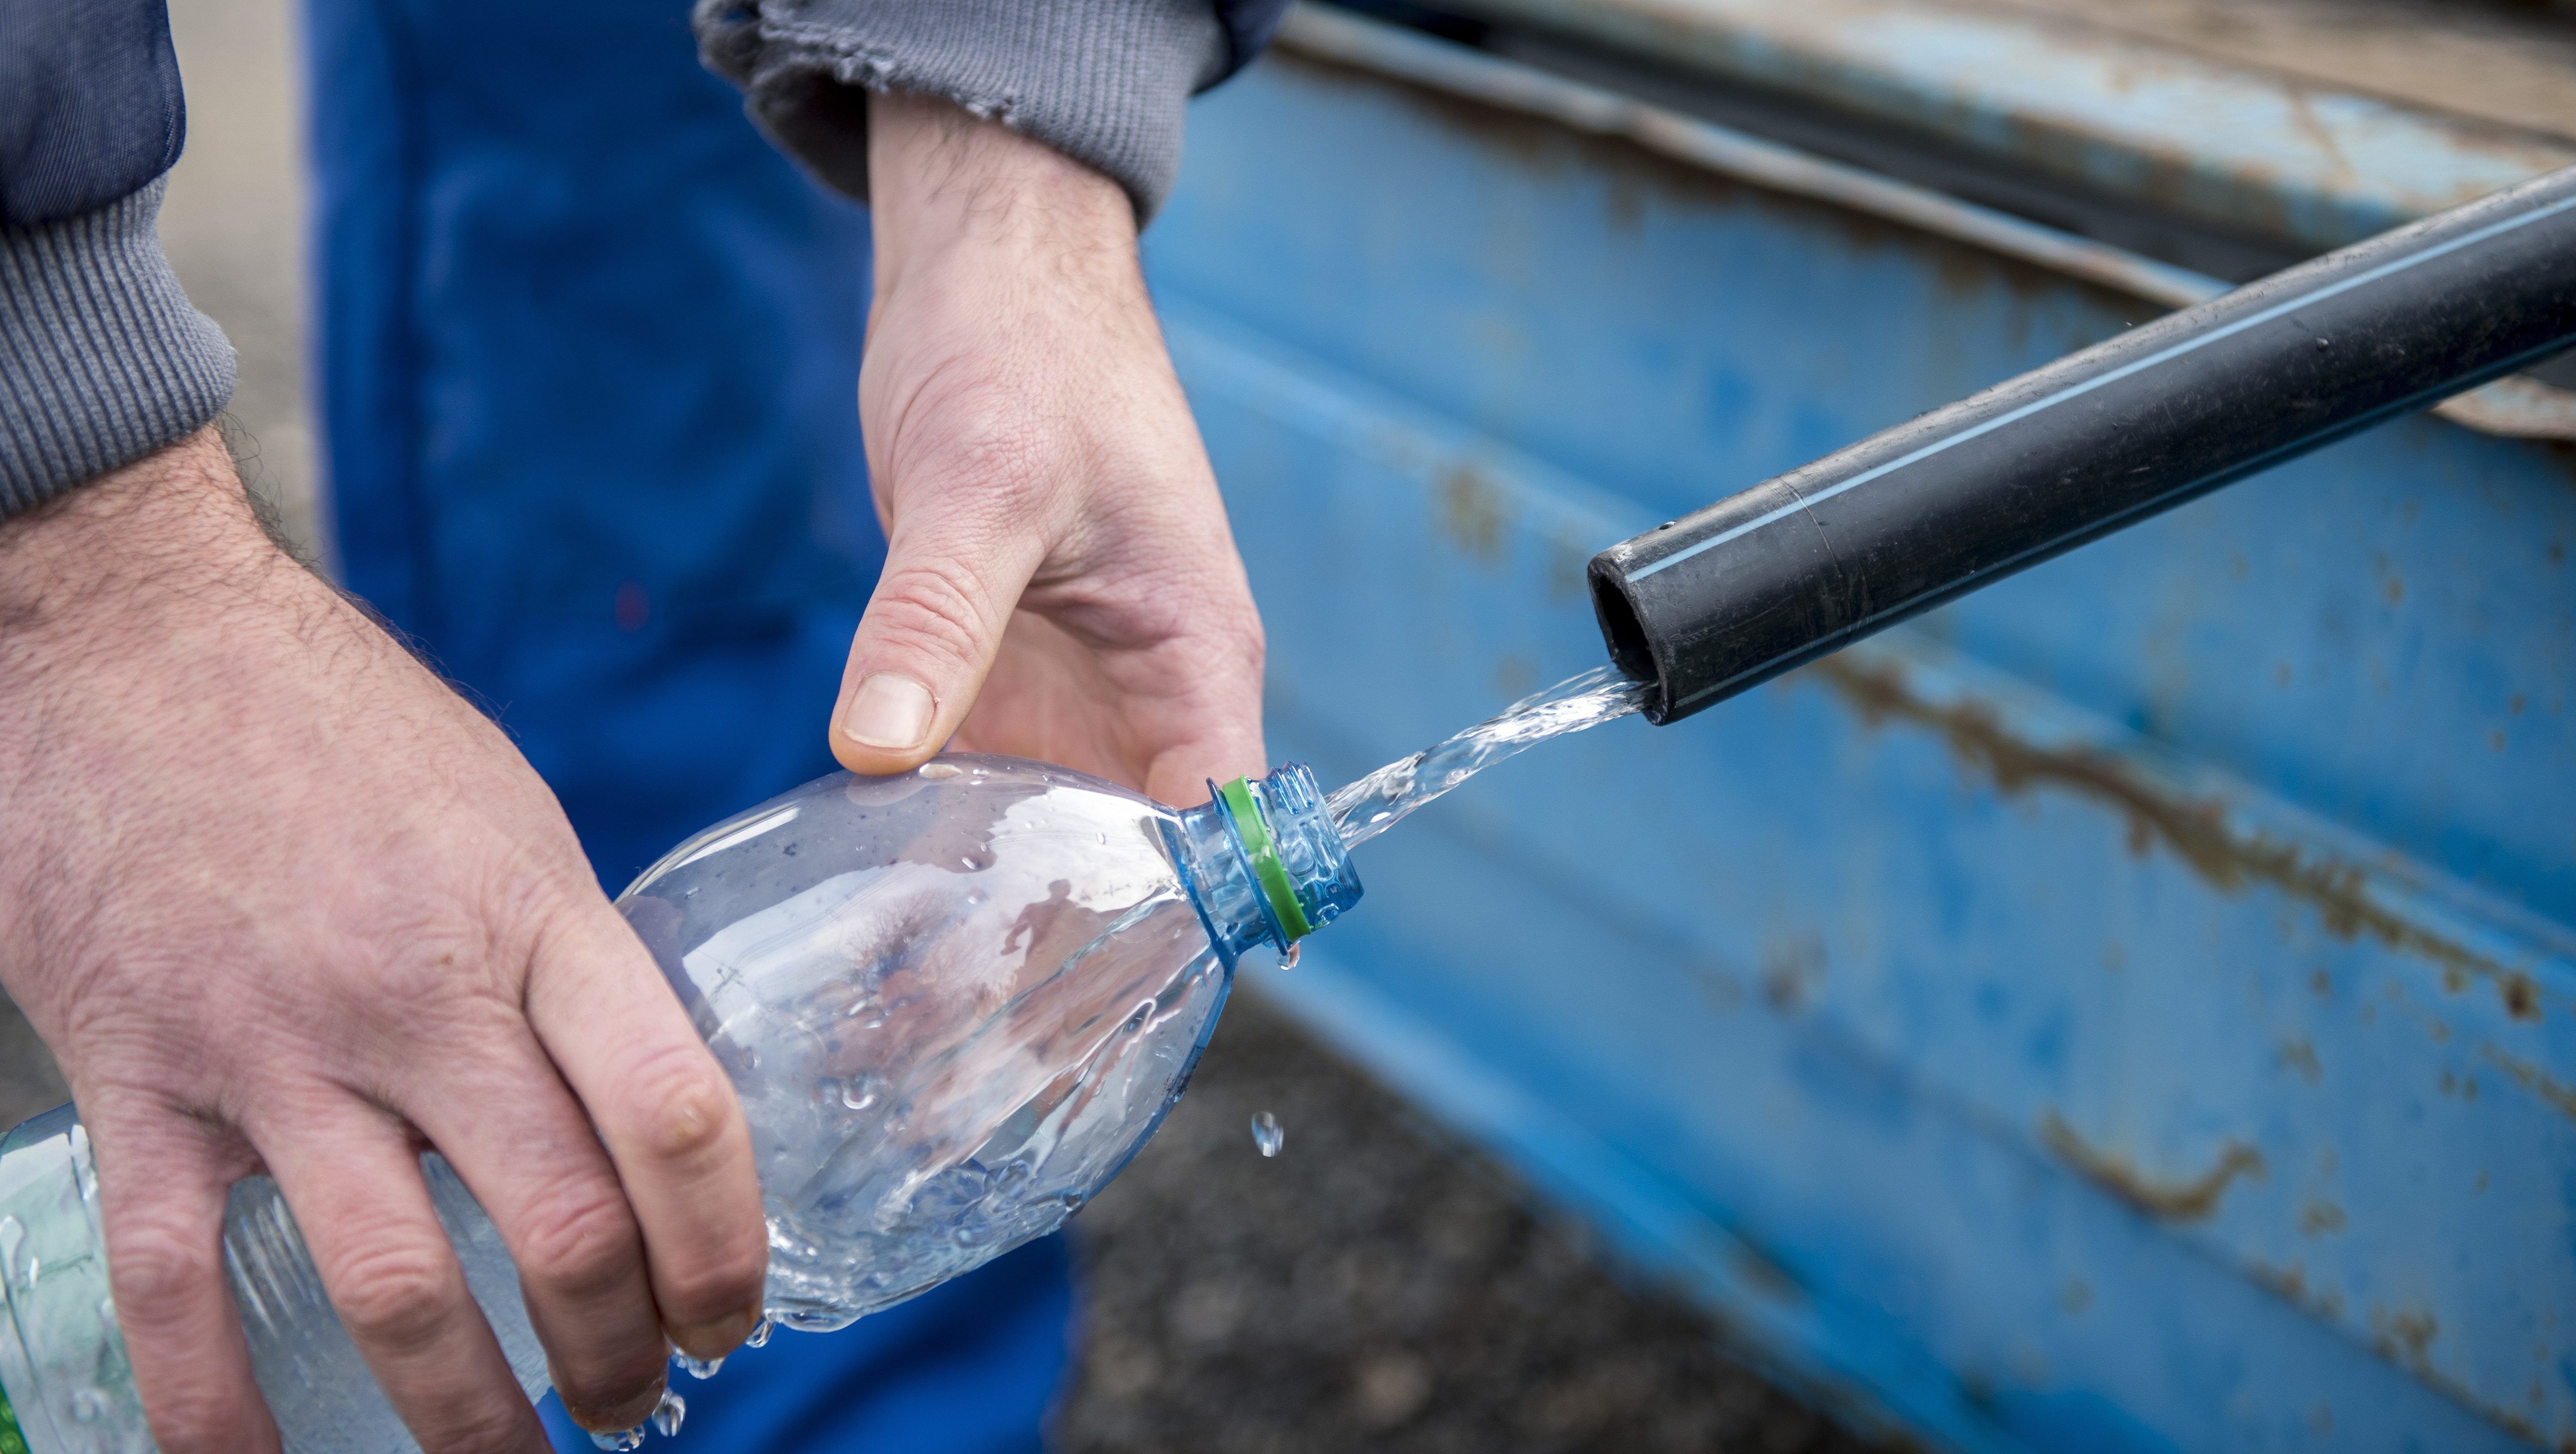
[{"x": 1376, "y": 1286}]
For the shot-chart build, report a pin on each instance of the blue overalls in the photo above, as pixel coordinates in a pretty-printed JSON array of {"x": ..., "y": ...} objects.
[{"x": 588, "y": 365}]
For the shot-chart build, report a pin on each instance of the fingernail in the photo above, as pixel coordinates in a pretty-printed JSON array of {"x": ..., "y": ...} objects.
[
  {"x": 708, "y": 1342},
  {"x": 889, "y": 712}
]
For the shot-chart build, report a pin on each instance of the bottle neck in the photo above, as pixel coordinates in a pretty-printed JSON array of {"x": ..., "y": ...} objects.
[{"x": 1264, "y": 862}]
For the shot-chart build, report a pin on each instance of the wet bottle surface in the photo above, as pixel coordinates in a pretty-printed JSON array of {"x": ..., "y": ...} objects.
[{"x": 955, "y": 1003}]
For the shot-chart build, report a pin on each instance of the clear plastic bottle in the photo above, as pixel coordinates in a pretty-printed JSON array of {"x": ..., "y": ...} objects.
[{"x": 955, "y": 1002}]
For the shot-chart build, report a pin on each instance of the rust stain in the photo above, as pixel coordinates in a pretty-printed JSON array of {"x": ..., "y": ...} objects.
[
  {"x": 2195, "y": 832},
  {"x": 2290, "y": 1284},
  {"x": 2533, "y": 1079},
  {"x": 2405, "y": 1336},
  {"x": 2317, "y": 1219},
  {"x": 1568, "y": 564},
  {"x": 1636, "y": 176},
  {"x": 2168, "y": 1201},
  {"x": 1474, "y": 512},
  {"x": 2406, "y": 1339},
  {"x": 2300, "y": 1056}
]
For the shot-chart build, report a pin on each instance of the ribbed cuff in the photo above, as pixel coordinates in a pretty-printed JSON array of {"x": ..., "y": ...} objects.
[
  {"x": 102, "y": 358},
  {"x": 1103, "y": 81}
]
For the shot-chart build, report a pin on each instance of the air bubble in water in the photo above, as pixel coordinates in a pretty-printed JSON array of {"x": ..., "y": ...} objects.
[
  {"x": 669, "y": 1413},
  {"x": 88, "y": 1405},
  {"x": 1267, "y": 1135}
]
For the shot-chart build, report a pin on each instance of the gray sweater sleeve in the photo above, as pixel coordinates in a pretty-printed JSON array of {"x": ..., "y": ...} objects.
[
  {"x": 1103, "y": 81},
  {"x": 102, "y": 359}
]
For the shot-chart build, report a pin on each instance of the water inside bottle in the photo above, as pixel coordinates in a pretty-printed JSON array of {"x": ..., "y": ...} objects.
[{"x": 1369, "y": 806}]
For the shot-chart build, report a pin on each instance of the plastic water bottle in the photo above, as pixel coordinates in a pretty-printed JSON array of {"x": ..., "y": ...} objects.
[{"x": 954, "y": 1002}]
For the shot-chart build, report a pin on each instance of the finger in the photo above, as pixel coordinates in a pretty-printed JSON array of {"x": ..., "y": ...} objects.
[
  {"x": 511, "y": 1129},
  {"x": 922, "y": 650},
  {"x": 1221, "y": 712},
  {"x": 354, "y": 1183},
  {"x": 669, "y": 1119},
  {"x": 166, "y": 1272}
]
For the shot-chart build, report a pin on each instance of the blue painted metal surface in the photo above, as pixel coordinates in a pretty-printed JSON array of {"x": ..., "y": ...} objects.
[
  {"x": 2263, "y": 153},
  {"x": 2134, "y": 1008}
]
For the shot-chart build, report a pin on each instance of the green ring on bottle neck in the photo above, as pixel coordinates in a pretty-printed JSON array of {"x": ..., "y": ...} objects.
[
  {"x": 1254, "y": 834},
  {"x": 12, "y": 1441}
]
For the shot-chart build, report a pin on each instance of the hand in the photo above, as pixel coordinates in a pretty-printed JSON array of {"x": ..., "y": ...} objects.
[
  {"x": 1059, "y": 582},
  {"x": 278, "y": 899}
]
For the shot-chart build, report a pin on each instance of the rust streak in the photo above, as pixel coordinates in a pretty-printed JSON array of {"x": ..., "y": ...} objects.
[
  {"x": 1474, "y": 512},
  {"x": 2531, "y": 1078},
  {"x": 2195, "y": 832},
  {"x": 2168, "y": 1201}
]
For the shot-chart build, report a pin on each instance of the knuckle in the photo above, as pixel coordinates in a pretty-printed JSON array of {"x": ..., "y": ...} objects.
[
  {"x": 683, "y": 1105},
  {"x": 583, "y": 1244},
  {"x": 993, "y": 452},
  {"x": 935, "y": 607},
  {"x": 160, "y": 1271},
  {"x": 398, "y": 1296}
]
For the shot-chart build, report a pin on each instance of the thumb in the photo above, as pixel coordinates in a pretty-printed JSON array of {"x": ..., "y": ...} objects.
[{"x": 929, "y": 636}]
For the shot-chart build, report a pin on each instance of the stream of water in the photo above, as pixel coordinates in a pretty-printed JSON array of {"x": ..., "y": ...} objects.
[{"x": 1369, "y": 806}]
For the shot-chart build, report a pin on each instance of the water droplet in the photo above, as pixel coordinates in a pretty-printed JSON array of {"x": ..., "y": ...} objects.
[
  {"x": 89, "y": 1405},
  {"x": 860, "y": 1092},
  {"x": 668, "y": 1414},
  {"x": 698, "y": 1367},
  {"x": 1267, "y": 1135},
  {"x": 940, "y": 771},
  {"x": 760, "y": 1334},
  {"x": 13, "y": 1233},
  {"x": 1289, "y": 959},
  {"x": 107, "y": 1315},
  {"x": 618, "y": 1441}
]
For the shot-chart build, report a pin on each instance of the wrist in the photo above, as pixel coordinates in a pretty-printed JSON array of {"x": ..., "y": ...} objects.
[
  {"x": 171, "y": 534},
  {"x": 947, "y": 188}
]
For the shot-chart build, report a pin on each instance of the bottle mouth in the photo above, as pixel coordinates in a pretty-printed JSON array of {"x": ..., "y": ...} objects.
[
  {"x": 1264, "y": 861},
  {"x": 1261, "y": 854}
]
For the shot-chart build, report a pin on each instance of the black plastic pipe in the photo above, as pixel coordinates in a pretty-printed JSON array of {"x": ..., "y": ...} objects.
[{"x": 1728, "y": 597}]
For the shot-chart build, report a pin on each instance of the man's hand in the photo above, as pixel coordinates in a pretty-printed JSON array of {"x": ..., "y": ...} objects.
[
  {"x": 279, "y": 900},
  {"x": 1059, "y": 581}
]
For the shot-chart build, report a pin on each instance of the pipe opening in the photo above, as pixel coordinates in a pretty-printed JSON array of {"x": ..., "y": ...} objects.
[{"x": 1620, "y": 628}]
